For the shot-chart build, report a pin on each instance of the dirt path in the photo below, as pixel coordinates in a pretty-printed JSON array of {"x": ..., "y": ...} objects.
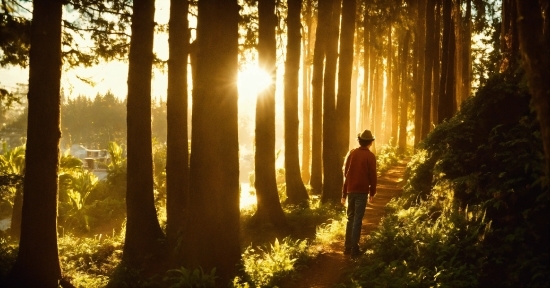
[{"x": 329, "y": 268}]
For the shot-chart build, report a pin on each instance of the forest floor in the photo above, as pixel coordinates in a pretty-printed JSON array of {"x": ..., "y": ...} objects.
[{"x": 331, "y": 266}]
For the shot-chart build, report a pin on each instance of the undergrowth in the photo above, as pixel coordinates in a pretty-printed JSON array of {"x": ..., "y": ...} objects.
[
  {"x": 473, "y": 210},
  {"x": 97, "y": 261}
]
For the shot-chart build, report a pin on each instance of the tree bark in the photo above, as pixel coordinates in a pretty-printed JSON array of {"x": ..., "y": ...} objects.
[
  {"x": 355, "y": 99},
  {"x": 331, "y": 171},
  {"x": 269, "y": 210},
  {"x": 295, "y": 189},
  {"x": 428, "y": 65},
  {"x": 458, "y": 32},
  {"x": 534, "y": 37},
  {"x": 403, "y": 119},
  {"x": 37, "y": 263},
  {"x": 306, "y": 108},
  {"x": 367, "y": 68},
  {"x": 395, "y": 93},
  {"x": 177, "y": 153},
  {"x": 467, "y": 54},
  {"x": 421, "y": 45},
  {"x": 509, "y": 36},
  {"x": 445, "y": 107},
  {"x": 142, "y": 227},
  {"x": 436, "y": 61},
  {"x": 345, "y": 70},
  {"x": 323, "y": 25},
  {"x": 212, "y": 236},
  {"x": 378, "y": 105}
]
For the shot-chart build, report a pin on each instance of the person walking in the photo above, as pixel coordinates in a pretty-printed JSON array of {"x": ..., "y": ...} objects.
[{"x": 359, "y": 187}]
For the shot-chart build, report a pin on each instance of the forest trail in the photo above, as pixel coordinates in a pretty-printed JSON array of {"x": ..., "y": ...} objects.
[{"x": 331, "y": 265}]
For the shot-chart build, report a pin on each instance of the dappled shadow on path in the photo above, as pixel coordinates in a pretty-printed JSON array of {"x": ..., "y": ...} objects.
[{"x": 329, "y": 268}]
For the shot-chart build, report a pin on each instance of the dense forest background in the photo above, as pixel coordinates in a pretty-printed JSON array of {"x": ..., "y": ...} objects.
[{"x": 460, "y": 88}]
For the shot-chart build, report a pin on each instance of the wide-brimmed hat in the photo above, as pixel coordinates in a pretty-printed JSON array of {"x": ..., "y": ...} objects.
[{"x": 366, "y": 135}]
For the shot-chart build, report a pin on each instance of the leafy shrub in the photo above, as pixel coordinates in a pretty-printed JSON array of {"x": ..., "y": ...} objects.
[
  {"x": 89, "y": 261},
  {"x": 472, "y": 211},
  {"x": 8, "y": 254},
  {"x": 264, "y": 266},
  {"x": 429, "y": 244},
  {"x": 12, "y": 163},
  {"x": 329, "y": 232},
  {"x": 387, "y": 157}
]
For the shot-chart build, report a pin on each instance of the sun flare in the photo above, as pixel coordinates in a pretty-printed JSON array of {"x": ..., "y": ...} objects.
[{"x": 251, "y": 81}]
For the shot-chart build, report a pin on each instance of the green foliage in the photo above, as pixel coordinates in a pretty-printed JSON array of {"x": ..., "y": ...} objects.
[
  {"x": 116, "y": 170},
  {"x": 385, "y": 158},
  {"x": 472, "y": 211},
  {"x": 88, "y": 205},
  {"x": 264, "y": 266},
  {"x": 186, "y": 278},
  {"x": 80, "y": 185},
  {"x": 7, "y": 99},
  {"x": 15, "y": 37},
  {"x": 310, "y": 217},
  {"x": 12, "y": 163},
  {"x": 94, "y": 122},
  {"x": 89, "y": 261},
  {"x": 159, "y": 173},
  {"x": 8, "y": 254},
  {"x": 329, "y": 232},
  {"x": 429, "y": 244},
  {"x": 267, "y": 265}
]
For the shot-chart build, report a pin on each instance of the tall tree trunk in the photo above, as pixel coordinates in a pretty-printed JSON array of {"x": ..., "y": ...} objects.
[
  {"x": 212, "y": 236},
  {"x": 323, "y": 25},
  {"x": 404, "y": 95},
  {"x": 142, "y": 227},
  {"x": 269, "y": 206},
  {"x": 421, "y": 45},
  {"x": 436, "y": 61},
  {"x": 373, "y": 89},
  {"x": 445, "y": 107},
  {"x": 364, "y": 104},
  {"x": 458, "y": 32},
  {"x": 466, "y": 59},
  {"x": 395, "y": 94},
  {"x": 509, "y": 36},
  {"x": 451, "y": 74},
  {"x": 306, "y": 108},
  {"x": 379, "y": 105},
  {"x": 428, "y": 65},
  {"x": 331, "y": 171},
  {"x": 37, "y": 263},
  {"x": 355, "y": 97},
  {"x": 345, "y": 70},
  {"x": 177, "y": 154},
  {"x": 534, "y": 34},
  {"x": 295, "y": 189}
]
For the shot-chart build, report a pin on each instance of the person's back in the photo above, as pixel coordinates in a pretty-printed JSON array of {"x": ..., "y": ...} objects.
[
  {"x": 359, "y": 188},
  {"x": 360, "y": 171}
]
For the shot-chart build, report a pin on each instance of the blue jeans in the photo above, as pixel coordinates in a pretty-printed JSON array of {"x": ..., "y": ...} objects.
[{"x": 357, "y": 203}]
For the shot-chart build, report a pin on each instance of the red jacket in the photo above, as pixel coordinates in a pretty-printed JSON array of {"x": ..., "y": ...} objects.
[{"x": 359, "y": 172}]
